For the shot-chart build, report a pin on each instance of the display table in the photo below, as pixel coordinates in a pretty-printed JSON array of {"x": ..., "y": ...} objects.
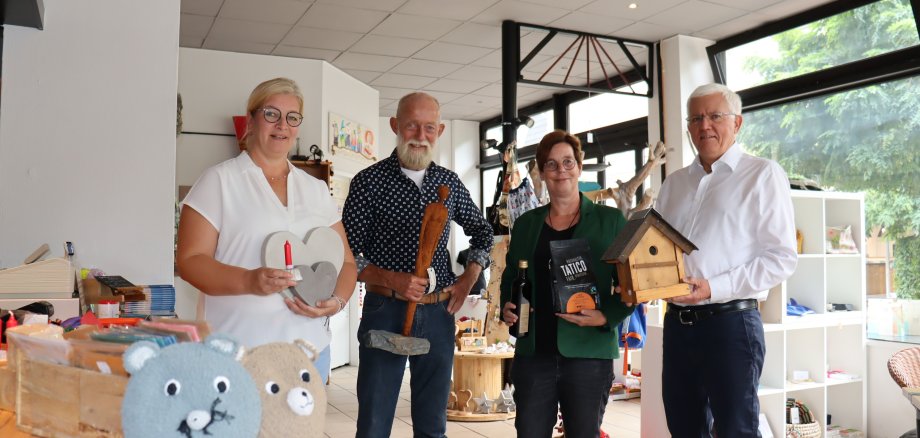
[{"x": 477, "y": 373}]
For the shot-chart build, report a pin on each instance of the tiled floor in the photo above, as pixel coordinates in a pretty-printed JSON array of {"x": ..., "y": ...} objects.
[{"x": 621, "y": 419}]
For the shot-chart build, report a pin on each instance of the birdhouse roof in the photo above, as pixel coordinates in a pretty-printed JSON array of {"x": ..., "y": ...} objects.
[{"x": 635, "y": 229}]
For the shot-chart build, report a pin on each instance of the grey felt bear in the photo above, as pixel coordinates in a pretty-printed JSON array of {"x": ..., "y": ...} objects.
[{"x": 189, "y": 390}]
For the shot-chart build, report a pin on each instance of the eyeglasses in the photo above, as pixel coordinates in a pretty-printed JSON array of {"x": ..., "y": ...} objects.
[
  {"x": 713, "y": 118},
  {"x": 272, "y": 115},
  {"x": 567, "y": 164}
]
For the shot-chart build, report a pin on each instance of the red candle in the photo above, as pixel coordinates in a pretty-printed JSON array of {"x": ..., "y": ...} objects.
[{"x": 288, "y": 261}]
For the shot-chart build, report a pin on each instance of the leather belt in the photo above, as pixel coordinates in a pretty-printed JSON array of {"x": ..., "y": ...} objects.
[
  {"x": 432, "y": 298},
  {"x": 689, "y": 315}
]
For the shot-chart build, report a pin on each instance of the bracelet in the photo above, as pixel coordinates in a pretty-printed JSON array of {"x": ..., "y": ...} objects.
[{"x": 340, "y": 301}]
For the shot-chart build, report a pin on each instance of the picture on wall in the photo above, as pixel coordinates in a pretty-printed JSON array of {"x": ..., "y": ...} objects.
[{"x": 351, "y": 136}]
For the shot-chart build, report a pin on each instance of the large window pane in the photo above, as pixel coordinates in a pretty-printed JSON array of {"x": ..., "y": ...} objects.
[
  {"x": 862, "y": 140},
  {"x": 867, "y": 31},
  {"x": 542, "y": 125},
  {"x": 608, "y": 109}
]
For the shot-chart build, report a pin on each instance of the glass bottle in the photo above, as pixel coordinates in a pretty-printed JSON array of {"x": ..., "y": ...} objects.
[{"x": 520, "y": 290}]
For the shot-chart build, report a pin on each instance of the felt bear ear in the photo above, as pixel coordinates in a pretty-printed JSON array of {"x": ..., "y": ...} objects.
[
  {"x": 225, "y": 345},
  {"x": 138, "y": 354},
  {"x": 307, "y": 348}
]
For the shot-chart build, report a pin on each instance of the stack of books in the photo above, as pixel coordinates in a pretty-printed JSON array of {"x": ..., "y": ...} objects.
[{"x": 160, "y": 301}]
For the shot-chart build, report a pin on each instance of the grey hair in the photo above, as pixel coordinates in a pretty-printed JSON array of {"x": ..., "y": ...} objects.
[{"x": 732, "y": 98}]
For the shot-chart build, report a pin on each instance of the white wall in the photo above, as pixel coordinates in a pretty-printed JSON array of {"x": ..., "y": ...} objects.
[
  {"x": 87, "y": 136},
  {"x": 215, "y": 87},
  {"x": 890, "y": 413}
]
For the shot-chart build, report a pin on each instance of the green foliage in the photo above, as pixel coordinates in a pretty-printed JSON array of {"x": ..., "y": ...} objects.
[
  {"x": 907, "y": 275},
  {"x": 866, "y": 139}
]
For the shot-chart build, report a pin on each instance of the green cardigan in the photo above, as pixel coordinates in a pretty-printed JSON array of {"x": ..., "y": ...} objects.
[{"x": 599, "y": 224}]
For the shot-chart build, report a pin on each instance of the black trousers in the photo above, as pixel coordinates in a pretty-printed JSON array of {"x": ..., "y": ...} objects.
[
  {"x": 543, "y": 384},
  {"x": 713, "y": 368}
]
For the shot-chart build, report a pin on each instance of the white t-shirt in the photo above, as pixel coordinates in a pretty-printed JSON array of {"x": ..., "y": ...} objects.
[
  {"x": 237, "y": 200},
  {"x": 417, "y": 176}
]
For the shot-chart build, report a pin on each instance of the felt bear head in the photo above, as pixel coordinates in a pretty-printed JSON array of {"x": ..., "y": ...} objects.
[
  {"x": 293, "y": 394},
  {"x": 189, "y": 390}
]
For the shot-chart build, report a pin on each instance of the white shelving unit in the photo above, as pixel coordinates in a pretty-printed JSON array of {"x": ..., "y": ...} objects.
[{"x": 815, "y": 343}]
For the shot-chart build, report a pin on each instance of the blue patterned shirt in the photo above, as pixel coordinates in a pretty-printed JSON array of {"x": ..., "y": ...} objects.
[{"x": 383, "y": 218}]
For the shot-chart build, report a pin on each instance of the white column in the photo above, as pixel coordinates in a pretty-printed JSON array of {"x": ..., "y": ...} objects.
[{"x": 684, "y": 67}]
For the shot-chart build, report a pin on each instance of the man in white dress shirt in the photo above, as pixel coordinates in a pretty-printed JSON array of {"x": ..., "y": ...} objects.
[{"x": 737, "y": 209}]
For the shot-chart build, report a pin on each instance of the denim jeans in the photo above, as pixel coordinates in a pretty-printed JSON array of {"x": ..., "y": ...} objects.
[
  {"x": 578, "y": 387},
  {"x": 710, "y": 373},
  {"x": 380, "y": 372},
  {"x": 323, "y": 363}
]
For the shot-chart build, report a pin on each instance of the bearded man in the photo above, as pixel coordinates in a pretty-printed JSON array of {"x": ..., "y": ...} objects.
[{"x": 383, "y": 219}]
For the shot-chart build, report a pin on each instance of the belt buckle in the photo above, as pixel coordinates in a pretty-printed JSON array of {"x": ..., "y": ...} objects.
[{"x": 691, "y": 317}]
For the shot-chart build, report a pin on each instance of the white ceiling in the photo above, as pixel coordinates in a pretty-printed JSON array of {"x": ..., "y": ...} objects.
[{"x": 450, "y": 48}]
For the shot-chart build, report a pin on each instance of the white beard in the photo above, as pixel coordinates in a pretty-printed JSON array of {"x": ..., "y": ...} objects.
[{"x": 414, "y": 159}]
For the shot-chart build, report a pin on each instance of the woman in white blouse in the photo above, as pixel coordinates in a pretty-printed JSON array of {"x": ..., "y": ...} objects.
[{"x": 230, "y": 211}]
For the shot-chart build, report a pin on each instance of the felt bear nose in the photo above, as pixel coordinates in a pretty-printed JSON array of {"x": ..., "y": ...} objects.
[
  {"x": 300, "y": 401},
  {"x": 197, "y": 420}
]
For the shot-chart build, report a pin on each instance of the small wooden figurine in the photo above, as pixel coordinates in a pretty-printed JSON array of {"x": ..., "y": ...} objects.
[{"x": 649, "y": 254}]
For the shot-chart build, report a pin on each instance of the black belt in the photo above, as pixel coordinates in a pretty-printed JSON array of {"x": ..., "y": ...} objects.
[{"x": 690, "y": 315}]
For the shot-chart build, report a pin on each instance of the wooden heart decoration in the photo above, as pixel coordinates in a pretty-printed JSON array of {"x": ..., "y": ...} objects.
[{"x": 318, "y": 257}]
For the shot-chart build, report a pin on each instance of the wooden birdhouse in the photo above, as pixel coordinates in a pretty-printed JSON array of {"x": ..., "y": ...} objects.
[{"x": 649, "y": 254}]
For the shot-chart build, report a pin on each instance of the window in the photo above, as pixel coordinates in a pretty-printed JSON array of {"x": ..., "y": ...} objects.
[
  {"x": 862, "y": 140},
  {"x": 607, "y": 109},
  {"x": 542, "y": 125},
  {"x": 871, "y": 30}
]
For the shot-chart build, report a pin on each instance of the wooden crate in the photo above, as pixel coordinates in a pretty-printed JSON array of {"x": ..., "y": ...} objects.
[
  {"x": 7, "y": 389},
  {"x": 61, "y": 401}
]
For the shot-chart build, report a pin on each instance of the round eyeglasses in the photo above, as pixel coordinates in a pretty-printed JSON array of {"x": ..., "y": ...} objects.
[
  {"x": 713, "y": 118},
  {"x": 273, "y": 115},
  {"x": 567, "y": 164}
]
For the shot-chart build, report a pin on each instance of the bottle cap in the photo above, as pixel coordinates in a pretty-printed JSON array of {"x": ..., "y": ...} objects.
[
  {"x": 522, "y": 264},
  {"x": 12, "y": 321}
]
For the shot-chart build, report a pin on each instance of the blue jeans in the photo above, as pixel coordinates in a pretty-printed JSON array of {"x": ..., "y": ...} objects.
[
  {"x": 323, "y": 363},
  {"x": 710, "y": 373},
  {"x": 578, "y": 387},
  {"x": 380, "y": 372}
]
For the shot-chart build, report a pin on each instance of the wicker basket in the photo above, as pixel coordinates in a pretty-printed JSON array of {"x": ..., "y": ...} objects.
[{"x": 810, "y": 428}]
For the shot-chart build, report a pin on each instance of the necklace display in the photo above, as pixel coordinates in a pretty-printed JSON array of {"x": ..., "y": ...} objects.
[{"x": 577, "y": 213}]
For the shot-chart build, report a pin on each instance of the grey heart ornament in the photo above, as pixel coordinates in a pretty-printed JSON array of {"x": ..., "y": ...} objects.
[{"x": 318, "y": 282}]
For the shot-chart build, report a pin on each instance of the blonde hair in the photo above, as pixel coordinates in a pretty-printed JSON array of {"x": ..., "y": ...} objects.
[{"x": 265, "y": 91}]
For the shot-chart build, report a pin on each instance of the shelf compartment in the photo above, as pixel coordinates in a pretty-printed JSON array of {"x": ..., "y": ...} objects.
[
  {"x": 806, "y": 285},
  {"x": 846, "y": 211},
  {"x": 772, "y": 375},
  {"x": 845, "y": 277},
  {"x": 809, "y": 220},
  {"x": 846, "y": 350},
  {"x": 845, "y": 405},
  {"x": 805, "y": 351},
  {"x": 773, "y": 406}
]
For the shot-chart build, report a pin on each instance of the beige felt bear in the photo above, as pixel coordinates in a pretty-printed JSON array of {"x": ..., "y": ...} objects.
[{"x": 293, "y": 396}]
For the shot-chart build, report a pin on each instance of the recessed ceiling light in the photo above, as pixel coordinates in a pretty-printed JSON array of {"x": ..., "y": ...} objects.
[{"x": 633, "y": 6}]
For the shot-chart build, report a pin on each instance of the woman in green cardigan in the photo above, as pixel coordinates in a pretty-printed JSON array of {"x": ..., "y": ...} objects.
[{"x": 567, "y": 359}]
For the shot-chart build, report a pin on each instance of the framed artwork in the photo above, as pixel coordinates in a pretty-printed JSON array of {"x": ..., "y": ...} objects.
[{"x": 352, "y": 137}]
